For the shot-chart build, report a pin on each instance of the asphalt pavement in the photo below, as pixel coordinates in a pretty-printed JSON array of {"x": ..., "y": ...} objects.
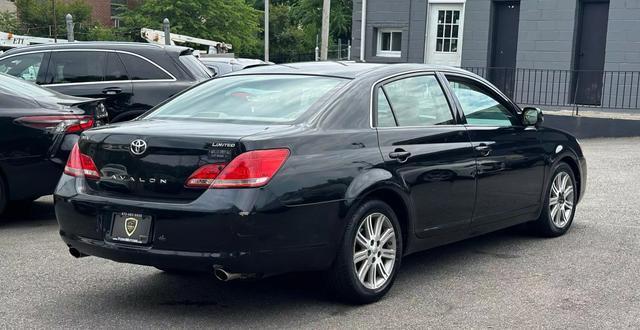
[{"x": 586, "y": 279}]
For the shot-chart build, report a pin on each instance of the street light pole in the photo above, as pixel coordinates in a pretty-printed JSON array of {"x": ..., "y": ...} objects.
[
  {"x": 266, "y": 30},
  {"x": 55, "y": 24},
  {"x": 324, "y": 44}
]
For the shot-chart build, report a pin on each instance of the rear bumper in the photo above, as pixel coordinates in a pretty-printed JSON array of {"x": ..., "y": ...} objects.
[{"x": 243, "y": 231}]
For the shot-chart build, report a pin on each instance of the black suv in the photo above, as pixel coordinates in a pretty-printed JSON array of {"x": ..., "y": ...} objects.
[{"x": 132, "y": 77}]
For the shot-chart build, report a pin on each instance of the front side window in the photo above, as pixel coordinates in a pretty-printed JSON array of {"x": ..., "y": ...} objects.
[
  {"x": 140, "y": 69},
  {"x": 389, "y": 42},
  {"x": 479, "y": 106},
  {"x": 271, "y": 99},
  {"x": 26, "y": 67},
  {"x": 418, "y": 101},
  {"x": 76, "y": 67}
]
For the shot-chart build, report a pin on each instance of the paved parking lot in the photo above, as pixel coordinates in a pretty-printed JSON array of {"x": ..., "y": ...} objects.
[{"x": 586, "y": 279}]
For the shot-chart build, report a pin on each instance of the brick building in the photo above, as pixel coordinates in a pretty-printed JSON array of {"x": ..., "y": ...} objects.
[
  {"x": 580, "y": 43},
  {"x": 107, "y": 11}
]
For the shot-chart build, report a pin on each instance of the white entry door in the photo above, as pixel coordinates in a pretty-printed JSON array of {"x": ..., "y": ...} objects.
[{"x": 444, "y": 34}]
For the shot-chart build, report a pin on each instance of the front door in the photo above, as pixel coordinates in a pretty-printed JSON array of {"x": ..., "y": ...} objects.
[
  {"x": 444, "y": 34},
  {"x": 506, "y": 16},
  {"x": 424, "y": 148},
  {"x": 510, "y": 157},
  {"x": 590, "y": 52}
]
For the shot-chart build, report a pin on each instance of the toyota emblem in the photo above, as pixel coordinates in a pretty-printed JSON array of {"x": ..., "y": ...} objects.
[{"x": 138, "y": 147}]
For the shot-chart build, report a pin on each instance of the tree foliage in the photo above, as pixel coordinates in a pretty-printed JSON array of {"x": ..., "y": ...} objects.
[
  {"x": 8, "y": 21},
  {"x": 294, "y": 24},
  {"x": 230, "y": 21},
  {"x": 36, "y": 16}
]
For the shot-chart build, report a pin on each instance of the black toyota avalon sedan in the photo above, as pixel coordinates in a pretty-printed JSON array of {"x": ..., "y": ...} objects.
[{"x": 340, "y": 167}]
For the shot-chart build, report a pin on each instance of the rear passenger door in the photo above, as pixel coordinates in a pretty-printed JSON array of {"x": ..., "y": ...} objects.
[
  {"x": 426, "y": 150},
  {"x": 95, "y": 74}
]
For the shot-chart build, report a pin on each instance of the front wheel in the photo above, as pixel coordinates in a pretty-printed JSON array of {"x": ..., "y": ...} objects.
[
  {"x": 369, "y": 255},
  {"x": 560, "y": 203}
]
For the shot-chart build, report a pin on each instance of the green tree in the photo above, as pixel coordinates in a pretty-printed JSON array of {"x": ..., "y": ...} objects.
[
  {"x": 36, "y": 16},
  {"x": 230, "y": 21},
  {"x": 309, "y": 12},
  {"x": 8, "y": 21}
]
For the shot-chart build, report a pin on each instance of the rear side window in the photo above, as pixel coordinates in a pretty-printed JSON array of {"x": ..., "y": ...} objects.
[
  {"x": 249, "y": 99},
  {"x": 26, "y": 66},
  {"x": 416, "y": 101},
  {"x": 195, "y": 67},
  {"x": 115, "y": 69},
  {"x": 75, "y": 67},
  {"x": 385, "y": 115},
  {"x": 139, "y": 68}
]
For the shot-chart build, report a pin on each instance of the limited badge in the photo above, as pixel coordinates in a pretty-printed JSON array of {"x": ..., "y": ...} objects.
[{"x": 130, "y": 225}]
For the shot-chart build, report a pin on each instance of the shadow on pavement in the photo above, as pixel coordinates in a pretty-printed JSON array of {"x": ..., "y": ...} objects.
[
  {"x": 39, "y": 212},
  {"x": 156, "y": 293}
]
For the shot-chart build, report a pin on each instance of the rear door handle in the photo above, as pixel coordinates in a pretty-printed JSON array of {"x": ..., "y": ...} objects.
[
  {"x": 112, "y": 90},
  {"x": 483, "y": 149},
  {"x": 400, "y": 154}
]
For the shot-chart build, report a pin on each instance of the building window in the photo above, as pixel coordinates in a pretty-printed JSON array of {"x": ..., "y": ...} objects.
[
  {"x": 448, "y": 31},
  {"x": 389, "y": 43}
]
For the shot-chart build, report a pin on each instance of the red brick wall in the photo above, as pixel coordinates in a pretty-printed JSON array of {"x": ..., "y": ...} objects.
[{"x": 101, "y": 11}]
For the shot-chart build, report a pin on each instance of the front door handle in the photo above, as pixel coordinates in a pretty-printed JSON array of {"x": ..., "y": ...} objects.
[
  {"x": 400, "y": 154},
  {"x": 112, "y": 90},
  {"x": 483, "y": 149}
]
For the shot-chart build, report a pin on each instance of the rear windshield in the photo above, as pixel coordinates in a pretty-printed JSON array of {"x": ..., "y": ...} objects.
[
  {"x": 16, "y": 86},
  {"x": 249, "y": 98},
  {"x": 197, "y": 69}
]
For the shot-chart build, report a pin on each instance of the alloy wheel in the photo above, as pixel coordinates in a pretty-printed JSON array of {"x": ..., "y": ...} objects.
[
  {"x": 374, "y": 251},
  {"x": 561, "y": 199}
]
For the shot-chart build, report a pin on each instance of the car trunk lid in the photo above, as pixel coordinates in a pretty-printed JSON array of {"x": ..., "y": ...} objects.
[{"x": 153, "y": 159}]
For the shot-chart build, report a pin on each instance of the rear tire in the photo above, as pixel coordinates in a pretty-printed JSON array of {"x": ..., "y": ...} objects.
[
  {"x": 559, "y": 203},
  {"x": 369, "y": 255}
]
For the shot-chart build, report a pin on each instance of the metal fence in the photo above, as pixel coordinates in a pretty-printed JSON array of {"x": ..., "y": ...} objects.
[{"x": 566, "y": 88}]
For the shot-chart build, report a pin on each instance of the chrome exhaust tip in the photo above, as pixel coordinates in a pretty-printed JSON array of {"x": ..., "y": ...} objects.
[
  {"x": 224, "y": 276},
  {"x": 76, "y": 254}
]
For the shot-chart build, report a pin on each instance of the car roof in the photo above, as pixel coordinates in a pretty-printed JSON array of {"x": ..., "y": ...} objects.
[
  {"x": 347, "y": 69},
  {"x": 125, "y": 46}
]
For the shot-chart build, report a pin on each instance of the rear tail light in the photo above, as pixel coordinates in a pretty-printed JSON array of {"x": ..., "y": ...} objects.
[
  {"x": 62, "y": 123},
  {"x": 81, "y": 165},
  {"x": 248, "y": 170},
  {"x": 204, "y": 176}
]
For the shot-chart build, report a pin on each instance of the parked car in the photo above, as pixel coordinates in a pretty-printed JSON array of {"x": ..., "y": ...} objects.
[
  {"x": 223, "y": 65},
  {"x": 38, "y": 129},
  {"x": 132, "y": 77},
  {"x": 345, "y": 167}
]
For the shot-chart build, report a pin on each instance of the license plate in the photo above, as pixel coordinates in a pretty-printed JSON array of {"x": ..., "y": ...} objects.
[{"x": 130, "y": 228}]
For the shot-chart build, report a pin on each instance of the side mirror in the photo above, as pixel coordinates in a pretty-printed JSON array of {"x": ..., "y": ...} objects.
[{"x": 532, "y": 117}]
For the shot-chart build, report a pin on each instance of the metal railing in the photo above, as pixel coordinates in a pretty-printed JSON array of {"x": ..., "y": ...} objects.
[{"x": 566, "y": 88}]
